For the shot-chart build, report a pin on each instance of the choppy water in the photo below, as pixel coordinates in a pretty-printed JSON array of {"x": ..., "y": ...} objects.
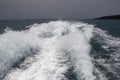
[{"x": 59, "y": 50}]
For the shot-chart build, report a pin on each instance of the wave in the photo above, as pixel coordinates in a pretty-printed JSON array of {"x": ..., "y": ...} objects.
[
  {"x": 106, "y": 49},
  {"x": 58, "y": 50},
  {"x": 14, "y": 47}
]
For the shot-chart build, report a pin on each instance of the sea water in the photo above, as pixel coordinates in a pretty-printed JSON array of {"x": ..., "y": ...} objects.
[{"x": 60, "y": 50}]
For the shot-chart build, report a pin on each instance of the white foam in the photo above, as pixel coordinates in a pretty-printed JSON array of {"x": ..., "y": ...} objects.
[
  {"x": 14, "y": 46},
  {"x": 62, "y": 45},
  {"x": 78, "y": 47}
]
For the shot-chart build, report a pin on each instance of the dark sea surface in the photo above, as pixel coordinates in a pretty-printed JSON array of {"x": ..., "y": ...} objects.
[
  {"x": 112, "y": 26},
  {"x": 49, "y": 49},
  {"x": 19, "y": 24}
]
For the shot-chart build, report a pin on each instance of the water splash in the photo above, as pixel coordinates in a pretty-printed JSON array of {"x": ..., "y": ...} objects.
[{"x": 61, "y": 50}]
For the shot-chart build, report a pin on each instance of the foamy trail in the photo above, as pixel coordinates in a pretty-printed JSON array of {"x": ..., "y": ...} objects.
[
  {"x": 63, "y": 48},
  {"x": 78, "y": 48}
]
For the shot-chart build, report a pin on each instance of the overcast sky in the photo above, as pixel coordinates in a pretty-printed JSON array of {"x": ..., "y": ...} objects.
[{"x": 36, "y": 9}]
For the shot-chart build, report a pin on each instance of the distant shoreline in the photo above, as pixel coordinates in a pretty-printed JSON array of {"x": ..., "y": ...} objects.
[{"x": 109, "y": 17}]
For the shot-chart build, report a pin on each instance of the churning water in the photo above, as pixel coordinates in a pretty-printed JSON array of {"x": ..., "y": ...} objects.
[{"x": 59, "y": 50}]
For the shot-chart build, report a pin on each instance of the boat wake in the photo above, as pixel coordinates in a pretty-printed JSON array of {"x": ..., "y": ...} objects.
[{"x": 59, "y": 50}]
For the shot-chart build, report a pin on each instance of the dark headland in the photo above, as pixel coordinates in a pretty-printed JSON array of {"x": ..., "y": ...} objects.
[{"x": 109, "y": 17}]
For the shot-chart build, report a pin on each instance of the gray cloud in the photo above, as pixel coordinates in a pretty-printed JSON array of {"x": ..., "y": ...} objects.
[{"x": 26, "y": 9}]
